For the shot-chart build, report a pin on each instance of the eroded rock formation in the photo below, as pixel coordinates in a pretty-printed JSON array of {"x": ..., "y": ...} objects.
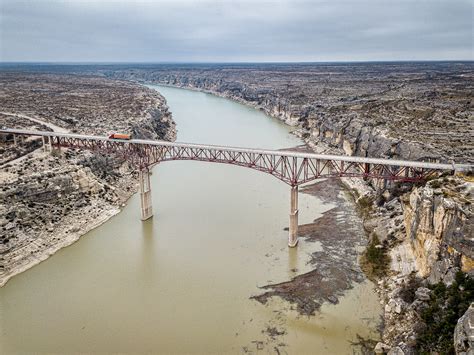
[{"x": 435, "y": 217}]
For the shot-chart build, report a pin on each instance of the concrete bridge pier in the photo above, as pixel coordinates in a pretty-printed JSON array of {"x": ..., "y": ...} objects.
[
  {"x": 293, "y": 229},
  {"x": 47, "y": 147},
  {"x": 145, "y": 194}
]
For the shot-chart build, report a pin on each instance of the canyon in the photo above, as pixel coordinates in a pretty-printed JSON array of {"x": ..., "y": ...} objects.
[{"x": 413, "y": 111}]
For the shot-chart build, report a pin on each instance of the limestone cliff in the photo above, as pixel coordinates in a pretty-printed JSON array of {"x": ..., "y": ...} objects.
[
  {"x": 434, "y": 243},
  {"x": 438, "y": 221}
]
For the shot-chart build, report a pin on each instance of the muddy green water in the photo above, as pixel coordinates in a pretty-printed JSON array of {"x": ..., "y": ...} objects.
[{"x": 180, "y": 282}]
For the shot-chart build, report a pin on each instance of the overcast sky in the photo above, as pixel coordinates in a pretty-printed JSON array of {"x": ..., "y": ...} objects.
[{"x": 233, "y": 31}]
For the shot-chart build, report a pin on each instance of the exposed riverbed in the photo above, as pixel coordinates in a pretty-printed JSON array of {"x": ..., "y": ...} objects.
[{"x": 182, "y": 281}]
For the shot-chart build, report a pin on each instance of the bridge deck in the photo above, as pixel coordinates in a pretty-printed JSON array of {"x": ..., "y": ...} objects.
[{"x": 279, "y": 153}]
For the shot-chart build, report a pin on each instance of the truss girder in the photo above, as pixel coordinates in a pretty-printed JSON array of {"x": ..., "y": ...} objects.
[{"x": 291, "y": 170}]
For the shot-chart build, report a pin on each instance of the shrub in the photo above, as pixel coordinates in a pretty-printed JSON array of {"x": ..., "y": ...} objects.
[
  {"x": 365, "y": 204},
  {"x": 435, "y": 184},
  {"x": 375, "y": 259},
  {"x": 407, "y": 293},
  {"x": 446, "y": 306},
  {"x": 56, "y": 152}
]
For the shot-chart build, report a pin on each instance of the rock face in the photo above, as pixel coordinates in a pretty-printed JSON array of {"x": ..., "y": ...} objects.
[
  {"x": 48, "y": 200},
  {"x": 432, "y": 242},
  {"x": 464, "y": 333},
  {"x": 435, "y": 219}
]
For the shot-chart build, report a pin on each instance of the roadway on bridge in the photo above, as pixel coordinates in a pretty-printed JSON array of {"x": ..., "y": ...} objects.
[{"x": 344, "y": 158}]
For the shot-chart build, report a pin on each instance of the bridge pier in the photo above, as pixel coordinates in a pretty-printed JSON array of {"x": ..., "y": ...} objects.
[
  {"x": 145, "y": 194},
  {"x": 293, "y": 229},
  {"x": 47, "y": 147}
]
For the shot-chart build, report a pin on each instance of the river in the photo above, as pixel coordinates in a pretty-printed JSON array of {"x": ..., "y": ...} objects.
[{"x": 181, "y": 281}]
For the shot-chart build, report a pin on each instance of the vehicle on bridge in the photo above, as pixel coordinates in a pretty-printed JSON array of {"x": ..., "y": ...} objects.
[{"x": 121, "y": 136}]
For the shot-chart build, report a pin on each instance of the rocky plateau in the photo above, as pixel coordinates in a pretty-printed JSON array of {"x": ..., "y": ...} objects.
[{"x": 49, "y": 199}]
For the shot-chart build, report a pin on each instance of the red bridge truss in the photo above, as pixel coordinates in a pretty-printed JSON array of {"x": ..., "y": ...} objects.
[{"x": 293, "y": 168}]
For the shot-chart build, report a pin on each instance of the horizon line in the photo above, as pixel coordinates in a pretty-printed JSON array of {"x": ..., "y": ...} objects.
[{"x": 232, "y": 62}]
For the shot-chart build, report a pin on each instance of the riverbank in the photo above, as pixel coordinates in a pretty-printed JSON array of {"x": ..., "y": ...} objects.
[
  {"x": 388, "y": 223},
  {"x": 49, "y": 200},
  {"x": 169, "y": 278}
]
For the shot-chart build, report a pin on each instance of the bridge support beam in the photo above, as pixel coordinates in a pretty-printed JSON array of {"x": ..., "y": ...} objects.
[
  {"x": 145, "y": 194},
  {"x": 293, "y": 229}
]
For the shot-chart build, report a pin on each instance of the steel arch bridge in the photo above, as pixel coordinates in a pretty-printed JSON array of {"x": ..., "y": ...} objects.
[{"x": 293, "y": 168}]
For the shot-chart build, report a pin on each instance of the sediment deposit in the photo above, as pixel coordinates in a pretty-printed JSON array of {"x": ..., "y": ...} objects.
[
  {"x": 335, "y": 266},
  {"x": 49, "y": 199}
]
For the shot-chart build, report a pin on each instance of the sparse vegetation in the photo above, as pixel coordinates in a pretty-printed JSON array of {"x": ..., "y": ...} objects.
[
  {"x": 469, "y": 177},
  {"x": 407, "y": 293},
  {"x": 435, "y": 184},
  {"x": 55, "y": 152},
  {"x": 400, "y": 188},
  {"x": 447, "y": 305},
  {"x": 365, "y": 204},
  {"x": 375, "y": 260}
]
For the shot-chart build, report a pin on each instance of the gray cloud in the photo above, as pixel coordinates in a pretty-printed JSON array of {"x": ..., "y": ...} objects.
[{"x": 276, "y": 30}]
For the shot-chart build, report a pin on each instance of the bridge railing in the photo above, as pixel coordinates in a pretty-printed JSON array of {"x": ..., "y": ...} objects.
[{"x": 293, "y": 168}]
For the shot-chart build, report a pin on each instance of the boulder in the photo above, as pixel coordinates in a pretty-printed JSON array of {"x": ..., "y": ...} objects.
[
  {"x": 423, "y": 294},
  {"x": 396, "y": 351},
  {"x": 464, "y": 333}
]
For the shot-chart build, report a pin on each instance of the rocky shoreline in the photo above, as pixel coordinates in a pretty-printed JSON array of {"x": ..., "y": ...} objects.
[{"x": 49, "y": 200}]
